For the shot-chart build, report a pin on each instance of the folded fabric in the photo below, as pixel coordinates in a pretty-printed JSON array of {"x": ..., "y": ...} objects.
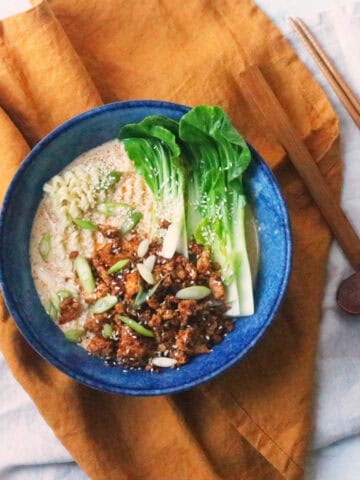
[{"x": 62, "y": 58}]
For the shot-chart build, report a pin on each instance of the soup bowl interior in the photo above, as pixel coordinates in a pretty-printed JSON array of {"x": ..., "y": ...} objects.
[{"x": 50, "y": 156}]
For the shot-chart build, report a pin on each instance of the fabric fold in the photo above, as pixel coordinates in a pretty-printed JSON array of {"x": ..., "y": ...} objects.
[
  {"x": 62, "y": 58},
  {"x": 46, "y": 79},
  {"x": 13, "y": 149}
]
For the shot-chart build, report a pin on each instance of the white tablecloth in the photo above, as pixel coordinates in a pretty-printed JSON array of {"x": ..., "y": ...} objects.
[{"x": 29, "y": 449}]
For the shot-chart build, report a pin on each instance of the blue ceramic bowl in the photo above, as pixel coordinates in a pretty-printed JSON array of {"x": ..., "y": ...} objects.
[{"x": 50, "y": 156}]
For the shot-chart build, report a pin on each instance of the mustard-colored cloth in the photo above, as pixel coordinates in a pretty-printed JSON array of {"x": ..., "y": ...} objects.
[{"x": 61, "y": 58}]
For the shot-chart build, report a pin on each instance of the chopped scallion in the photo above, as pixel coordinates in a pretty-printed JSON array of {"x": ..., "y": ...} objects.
[
  {"x": 163, "y": 362},
  {"x": 64, "y": 294},
  {"x": 107, "y": 330},
  {"x": 53, "y": 312},
  {"x": 109, "y": 180},
  {"x": 130, "y": 222},
  {"x": 85, "y": 274},
  {"x": 84, "y": 224},
  {"x": 143, "y": 247},
  {"x": 145, "y": 332},
  {"x": 112, "y": 208},
  {"x": 195, "y": 292},
  {"x": 118, "y": 266},
  {"x": 45, "y": 246},
  {"x": 149, "y": 262},
  {"x": 75, "y": 335},
  {"x": 145, "y": 274},
  {"x": 143, "y": 295},
  {"x": 104, "y": 304}
]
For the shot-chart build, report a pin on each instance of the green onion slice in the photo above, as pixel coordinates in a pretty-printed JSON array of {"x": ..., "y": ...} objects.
[
  {"x": 107, "y": 330},
  {"x": 142, "y": 295},
  {"x": 52, "y": 311},
  {"x": 75, "y": 335},
  {"x": 84, "y": 224},
  {"x": 112, "y": 208},
  {"x": 55, "y": 300},
  {"x": 118, "y": 266},
  {"x": 195, "y": 292},
  {"x": 130, "y": 222},
  {"x": 104, "y": 304},
  {"x": 145, "y": 332},
  {"x": 83, "y": 270},
  {"x": 145, "y": 273},
  {"x": 143, "y": 248},
  {"x": 45, "y": 246},
  {"x": 140, "y": 298},
  {"x": 64, "y": 294},
  {"x": 109, "y": 180}
]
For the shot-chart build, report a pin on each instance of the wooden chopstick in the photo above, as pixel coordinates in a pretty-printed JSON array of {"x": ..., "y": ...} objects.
[
  {"x": 337, "y": 82},
  {"x": 326, "y": 60},
  {"x": 259, "y": 94}
]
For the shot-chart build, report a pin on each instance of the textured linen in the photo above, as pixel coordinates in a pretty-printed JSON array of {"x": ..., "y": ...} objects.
[{"x": 278, "y": 433}]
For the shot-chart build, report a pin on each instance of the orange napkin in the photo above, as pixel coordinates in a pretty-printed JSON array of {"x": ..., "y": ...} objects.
[{"x": 64, "y": 57}]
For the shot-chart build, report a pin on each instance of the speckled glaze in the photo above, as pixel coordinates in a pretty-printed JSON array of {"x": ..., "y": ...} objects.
[{"x": 50, "y": 156}]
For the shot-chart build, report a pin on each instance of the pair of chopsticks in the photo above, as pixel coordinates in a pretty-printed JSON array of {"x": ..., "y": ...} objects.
[
  {"x": 337, "y": 82},
  {"x": 258, "y": 93}
]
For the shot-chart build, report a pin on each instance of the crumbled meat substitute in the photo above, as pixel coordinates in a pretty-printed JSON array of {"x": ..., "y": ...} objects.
[
  {"x": 160, "y": 323},
  {"x": 101, "y": 347},
  {"x": 70, "y": 309}
]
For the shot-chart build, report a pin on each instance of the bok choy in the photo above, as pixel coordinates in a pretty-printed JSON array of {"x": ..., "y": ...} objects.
[
  {"x": 217, "y": 156},
  {"x": 205, "y": 152},
  {"x": 151, "y": 145}
]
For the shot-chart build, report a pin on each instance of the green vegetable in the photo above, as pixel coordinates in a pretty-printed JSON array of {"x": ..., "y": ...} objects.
[
  {"x": 104, "y": 304},
  {"x": 217, "y": 156},
  {"x": 153, "y": 289},
  {"x": 84, "y": 224},
  {"x": 55, "y": 300},
  {"x": 64, "y": 294},
  {"x": 45, "y": 246},
  {"x": 107, "y": 330},
  {"x": 145, "y": 332},
  {"x": 145, "y": 273},
  {"x": 195, "y": 292},
  {"x": 52, "y": 311},
  {"x": 130, "y": 222},
  {"x": 112, "y": 208},
  {"x": 140, "y": 298},
  {"x": 152, "y": 147},
  {"x": 54, "y": 303},
  {"x": 84, "y": 273},
  {"x": 149, "y": 262},
  {"x": 143, "y": 247},
  {"x": 75, "y": 335},
  {"x": 109, "y": 180},
  {"x": 143, "y": 295},
  {"x": 163, "y": 362},
  {"x": 118, "y": 266}
]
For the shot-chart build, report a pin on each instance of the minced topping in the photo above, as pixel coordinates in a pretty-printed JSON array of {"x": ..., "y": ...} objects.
[{"x": 175, "y": 328}]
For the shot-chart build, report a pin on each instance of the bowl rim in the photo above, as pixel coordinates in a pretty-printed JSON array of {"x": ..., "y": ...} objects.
[{"x": 43, "y": 351}]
